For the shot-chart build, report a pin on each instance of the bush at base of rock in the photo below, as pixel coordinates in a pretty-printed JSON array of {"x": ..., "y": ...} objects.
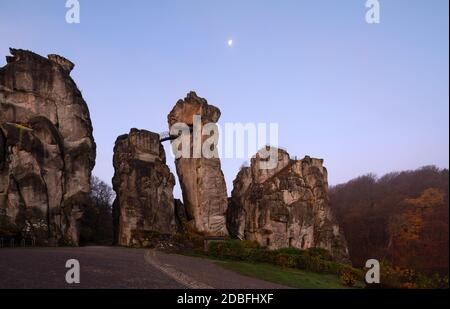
[
  {"x": 320, "y": 253},
  {"x": 286, "y": 260},
  {"x": 262, "y": 256},
  {"x": 313, "y": 259},
  {"x": 234, "y": 249},
  {"x": 190, "y": 240}
]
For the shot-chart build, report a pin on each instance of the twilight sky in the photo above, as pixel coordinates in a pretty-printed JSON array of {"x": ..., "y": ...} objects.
[{"x": 365, "y": 97}]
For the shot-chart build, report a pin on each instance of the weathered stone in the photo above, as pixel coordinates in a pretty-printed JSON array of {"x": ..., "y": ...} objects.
[
  {"x": 201, "y": 179},
  {"x": 143, "y": 184},
  {"x": 285, "y": 207},
  {"x": 66, "y": 64},
  {"x": 47, "y": 150},
  {"x": 181, "y": 216}
]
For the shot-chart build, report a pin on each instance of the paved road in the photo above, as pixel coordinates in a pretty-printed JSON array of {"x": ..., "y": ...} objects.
[
  {"x": 115, "y": 267},
  {"x": 101, "y": 267},
  {"x": 203, "y": 273}
]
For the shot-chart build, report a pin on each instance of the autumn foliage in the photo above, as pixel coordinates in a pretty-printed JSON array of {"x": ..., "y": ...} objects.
[{"x": 401, "y": 218}]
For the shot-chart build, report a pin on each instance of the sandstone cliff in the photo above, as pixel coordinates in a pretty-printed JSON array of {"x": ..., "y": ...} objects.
[
  {"x": 47, "y": 150},
  {"x": 144, "y": 189},
  {"x": 201, "y": 179},
  {"x": 285, "y": 207}
]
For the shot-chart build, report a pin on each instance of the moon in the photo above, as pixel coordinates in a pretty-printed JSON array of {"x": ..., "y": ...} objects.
[{"x": 230, "y": 42}]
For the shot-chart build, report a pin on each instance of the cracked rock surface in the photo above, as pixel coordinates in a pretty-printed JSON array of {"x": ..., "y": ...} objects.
[
  {"x": 47, "y": 150},
  {"x": 201, "y": 179},
  {"x": 287, "y": 206},
  {"x": 143, "y": 183}
]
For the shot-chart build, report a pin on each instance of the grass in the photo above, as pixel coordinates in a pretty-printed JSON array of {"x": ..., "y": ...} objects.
[
  {"x": 290, "y": 277},
  {"x": 294, "y": 278}
]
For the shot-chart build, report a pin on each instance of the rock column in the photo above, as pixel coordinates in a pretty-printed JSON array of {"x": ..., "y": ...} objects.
[
  {"x": 201, "y": 178},
  {"x": 144, "y": 204},
  {"x": 47, "y": 150}
]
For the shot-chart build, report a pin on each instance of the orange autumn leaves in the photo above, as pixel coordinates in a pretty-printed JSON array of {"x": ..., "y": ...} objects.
[
  {"x": 401, "y": 218},
  {"x": 407, "y": 228}
]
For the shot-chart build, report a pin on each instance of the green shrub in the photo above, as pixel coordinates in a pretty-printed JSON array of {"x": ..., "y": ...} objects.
[
  {"x": 189, "y": 240},
  {"x": 234, "y": 249},
  {"x": 404, "y": 278},
  {"x": 286, "y": 260},
  {"x": 302, "y": 261},
  {"x": 248, "y": 244},
  {"x": 315, "y": 260},
  {"x": 334, "y": 268},
  {"x": 316, "y": 264},
  {"x": 262, "y": 256},
  {"x": 433, "y": 282},
  {"x": 215, "y": 249},
  {"x": 294, "y": 251},
  {"x": 348, "y": 276},
  {"x": 320, "y": 253}
]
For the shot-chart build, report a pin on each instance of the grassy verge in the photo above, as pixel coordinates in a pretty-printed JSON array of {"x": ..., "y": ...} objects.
[
  {"x": 294, "y": 278},
  {"x": 290, "y": 277}
]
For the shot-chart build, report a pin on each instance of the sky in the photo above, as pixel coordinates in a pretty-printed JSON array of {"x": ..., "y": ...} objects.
[{"x": 367, "y": 98}]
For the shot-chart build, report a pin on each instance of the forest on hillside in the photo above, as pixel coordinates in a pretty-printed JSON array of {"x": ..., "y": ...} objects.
[{"x": 401, "y": 218}]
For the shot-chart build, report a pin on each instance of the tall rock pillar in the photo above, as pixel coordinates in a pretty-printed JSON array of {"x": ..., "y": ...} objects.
[
  {"x": 143, "y": 184},
  {"x": 201, "y": 178},
  {"x": 47, "y": 150}
]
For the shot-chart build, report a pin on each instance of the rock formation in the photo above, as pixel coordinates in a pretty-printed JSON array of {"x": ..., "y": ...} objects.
[
  {"x": 144, "y": 189},
  {"x": 47, "y": 151},
  {"x": 285, "y": 207},
  {"x": 201, "y": 179}
]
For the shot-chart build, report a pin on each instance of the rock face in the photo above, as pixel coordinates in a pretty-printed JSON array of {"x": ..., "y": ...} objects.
[
  {"x": 47, "y": 151},
  {"x": 202, "y": 181},
  {"x": 285, "y": 207},
  {"x": 144, "y": 189}
]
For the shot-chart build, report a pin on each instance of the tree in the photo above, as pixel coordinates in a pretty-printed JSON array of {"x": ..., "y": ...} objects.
[
  {"x": 408, "y": 245},
  {"x": 96, "y": 226},
  {"x": 401, "y": 217}
]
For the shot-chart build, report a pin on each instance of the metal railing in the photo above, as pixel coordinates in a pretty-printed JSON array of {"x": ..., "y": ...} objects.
[
  {"x": 11, "y": 242},
  {"x": 165, "y": 136}
]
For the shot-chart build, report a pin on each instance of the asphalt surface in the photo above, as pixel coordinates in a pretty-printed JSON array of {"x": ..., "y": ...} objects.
[
  {"x": 116, "y": 268},
  {"x": 205, "y": 273},
  {"x": 100, "y": 267}
]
